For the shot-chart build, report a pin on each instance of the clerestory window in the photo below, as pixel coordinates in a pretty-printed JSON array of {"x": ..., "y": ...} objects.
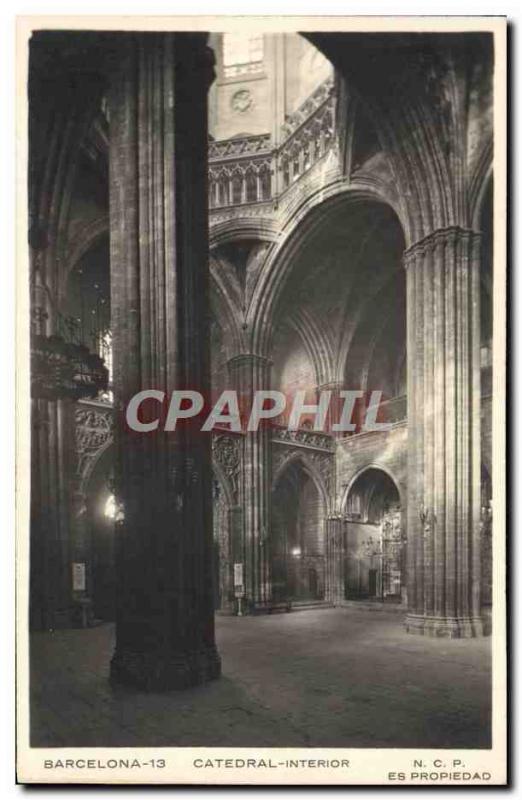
[{"x": 242, "y": 53}]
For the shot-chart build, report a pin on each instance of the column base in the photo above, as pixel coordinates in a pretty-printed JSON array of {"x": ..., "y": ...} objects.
[
  {"x": 444, "y": 627},
  {"x": 160, "y": 672}
]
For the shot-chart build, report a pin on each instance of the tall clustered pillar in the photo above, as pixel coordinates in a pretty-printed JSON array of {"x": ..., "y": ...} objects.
[
  {"x": 160, "y": 320},
  {"x": 249, "y": 374},
  {"x": 335, "y": 555},
  {"x": 444, "y": 434}
]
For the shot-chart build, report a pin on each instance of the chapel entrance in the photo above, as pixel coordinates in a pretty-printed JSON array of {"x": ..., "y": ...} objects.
[
  {"x": 297, "y": 552},
  {"x": 375, "y": 540}
]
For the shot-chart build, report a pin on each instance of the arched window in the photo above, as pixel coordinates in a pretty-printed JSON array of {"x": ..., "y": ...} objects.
[
  {"x": 317, "y": 147},
  {"x": 264, "y": 179},
  {"x": 295, "y": 166},
  {"x": 242, "y": 53},
  {"x": 104, "y": 347},
  {"x": 212, "y": 194},
  {"x": 307, "y": 161},
  {"x": 237, "y": 188},
  {"x": 286, "y": 173},
  {"x": 251, "y": 186},
  {"x": 223, "y": 191}
]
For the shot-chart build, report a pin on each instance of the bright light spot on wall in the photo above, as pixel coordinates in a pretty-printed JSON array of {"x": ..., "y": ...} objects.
[
  {"x": 110, "y": 507},
  {"x": 296, "y": 551}
]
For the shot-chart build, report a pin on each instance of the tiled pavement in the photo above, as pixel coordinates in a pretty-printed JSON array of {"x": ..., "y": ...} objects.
[{"x": 342, "y": 677}]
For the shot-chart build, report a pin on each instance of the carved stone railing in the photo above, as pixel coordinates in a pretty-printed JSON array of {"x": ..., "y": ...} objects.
[
  {"x": 315, "y": 450},
  {"x": 250, "y": 68},
  {"x": 321, "y": 95},
  {"x": 241, "y": 147},
  {"x": 248, "y": 169},
  {"x": 240, "y": 171},
  {"x": 309, "y": 135},
  {"x": 304, "y": 438},
  {"x": 394, "y": 410}
]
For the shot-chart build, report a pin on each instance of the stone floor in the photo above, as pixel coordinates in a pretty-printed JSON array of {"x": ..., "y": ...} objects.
[{"x": 343, "y": 677}]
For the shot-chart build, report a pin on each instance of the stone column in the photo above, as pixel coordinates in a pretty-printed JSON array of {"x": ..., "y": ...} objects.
[
  {"x": 250, "y": 373},
  {"x": 235, "y": 530},
  {"x": 64, "y": 93},
  {"x": 335, "y": 559},
  {"x": 443, "y": 524},
  {"x": 52, "y": 462},
  {"x": 160, "y": 320}
]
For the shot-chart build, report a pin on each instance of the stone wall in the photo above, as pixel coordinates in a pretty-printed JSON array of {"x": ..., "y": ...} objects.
[
  {"x": 258, "y": 101},
  {"x": 386, "y": 451}
]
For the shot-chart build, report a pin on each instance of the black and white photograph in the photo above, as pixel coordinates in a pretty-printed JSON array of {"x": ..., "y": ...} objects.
[{"x": 261, "y": 314}]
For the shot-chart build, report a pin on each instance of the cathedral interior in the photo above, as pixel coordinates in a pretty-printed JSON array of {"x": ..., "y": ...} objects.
[{"x": 261, "y": 211}]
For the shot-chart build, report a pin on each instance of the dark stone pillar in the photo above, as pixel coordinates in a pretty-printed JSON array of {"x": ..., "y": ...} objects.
[
  {"x": 160, "y": 319},
  {"x": 51, "y": 466},
  {"x": 250, "y": 373},
  {"x": 64, "y": 90},
  {"x": 235, "y": 530},
  {"x": 444, "y": 434}
]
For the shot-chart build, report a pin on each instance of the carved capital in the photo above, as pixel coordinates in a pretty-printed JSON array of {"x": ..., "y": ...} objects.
[{"x": 441, "y": 238}]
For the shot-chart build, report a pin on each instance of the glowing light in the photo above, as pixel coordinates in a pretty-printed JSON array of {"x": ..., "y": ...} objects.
[
  {"x": 110, "y": 507},
  {"x": 296, "y": 551}
]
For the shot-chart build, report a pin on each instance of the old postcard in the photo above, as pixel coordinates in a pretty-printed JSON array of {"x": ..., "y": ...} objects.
[{"x": 261, "y": 400}]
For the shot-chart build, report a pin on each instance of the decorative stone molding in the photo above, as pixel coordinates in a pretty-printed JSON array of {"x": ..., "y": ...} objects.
[
  {"x": 242, "y": 101},
  {"x": 94, "y": 431},
  {"x": 310, "y": 134},
  {"x": 450, "y": 237},
  {"x": 94, "y": 428},
  {"x": 248, "y": 169},
  {"x": 304, "y": 438},
  {"x": 325, "y": 466},
  {"x": 219, "y": 215},
  {"x": 240, "y": 182},
  {"x": 315, "y": 101},
  {"x": 239, "y": 146},
  {"x": 226, "y": 451}
]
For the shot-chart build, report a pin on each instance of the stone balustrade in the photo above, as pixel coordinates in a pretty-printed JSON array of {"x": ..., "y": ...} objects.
[{"x": 250, "y": 169}]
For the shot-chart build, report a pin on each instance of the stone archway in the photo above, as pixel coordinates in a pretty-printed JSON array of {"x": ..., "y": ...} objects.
[
  {"x": 94, "y": 464},
  {"x": 297, "y": 542},
  {"x": 374, "y": 567}
]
